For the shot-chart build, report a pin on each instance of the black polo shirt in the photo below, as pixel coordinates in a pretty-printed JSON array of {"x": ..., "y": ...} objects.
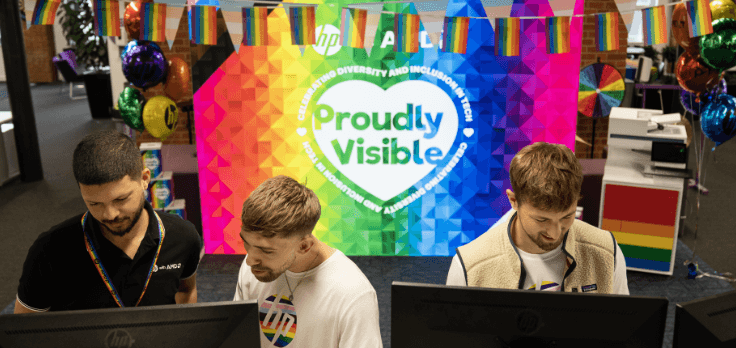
[{"x": 59, "y": 273}]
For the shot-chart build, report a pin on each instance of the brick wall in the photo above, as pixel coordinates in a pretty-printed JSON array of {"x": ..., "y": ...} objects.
[
  {"x": 39, "y": 42},
  {"x": 590, "y": 55},
  {"x": 181, "y": 49}
]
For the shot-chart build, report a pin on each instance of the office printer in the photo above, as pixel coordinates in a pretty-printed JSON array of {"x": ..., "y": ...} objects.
[{"x": 652, "y": 132}]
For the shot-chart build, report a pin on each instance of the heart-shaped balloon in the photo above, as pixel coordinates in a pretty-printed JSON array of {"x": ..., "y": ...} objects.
[
  {"x": 718, "y": 119},
  {"x": 144, "y": 64},
  {"x": 693, "y": 75}
]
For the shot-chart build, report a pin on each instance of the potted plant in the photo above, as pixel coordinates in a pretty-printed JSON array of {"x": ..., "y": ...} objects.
[
  {"x": 669, "y": 54},
  {"x": 76, "y": 20}
]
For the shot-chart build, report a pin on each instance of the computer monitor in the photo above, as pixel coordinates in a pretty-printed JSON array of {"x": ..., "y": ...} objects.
[
  {"x": 644, "y": 69},
  {"x": 434, "y": 316},
  {"x": 209, "y": 324},
  {"x": 707, "y": 322}
]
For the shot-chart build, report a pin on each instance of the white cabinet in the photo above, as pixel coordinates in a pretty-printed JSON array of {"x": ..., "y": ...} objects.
[{"x": 8, "y": 156}]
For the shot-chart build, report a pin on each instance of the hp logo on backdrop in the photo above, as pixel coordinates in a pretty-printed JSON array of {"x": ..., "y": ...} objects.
[{"x": 328, "y": 40}]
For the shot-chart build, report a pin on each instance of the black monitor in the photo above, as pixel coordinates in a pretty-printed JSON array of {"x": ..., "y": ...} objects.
[
  {"x": 209, "y": 324},
  {"x": 434, "y": 316},
  {"x": 707, "y": 322}
]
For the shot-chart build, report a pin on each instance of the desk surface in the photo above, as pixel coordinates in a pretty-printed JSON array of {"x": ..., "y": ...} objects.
[
  {"x": 626, "y": 166},
  {"x": 656, "y": 85}
]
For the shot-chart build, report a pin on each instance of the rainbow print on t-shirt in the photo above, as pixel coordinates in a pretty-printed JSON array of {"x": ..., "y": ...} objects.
[
  {"x": 278, "y": 320},
  {"x": 546, "y": 286}
]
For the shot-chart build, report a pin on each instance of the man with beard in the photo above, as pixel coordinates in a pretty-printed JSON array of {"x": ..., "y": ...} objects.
[
  {"x": 310, "y": 295},
  {"x": 542, "y": 246},
  {"x": 120, "y": 253}
]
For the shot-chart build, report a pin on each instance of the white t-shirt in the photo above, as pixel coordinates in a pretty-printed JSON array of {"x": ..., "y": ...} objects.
[
  {"x": 545, "y": 271},
  {"x": 334, "y": 306}
]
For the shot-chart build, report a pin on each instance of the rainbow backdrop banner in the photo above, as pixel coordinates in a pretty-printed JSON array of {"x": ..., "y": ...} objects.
[
  {"x": 655, "y": 25},
  {"x": 699, "y": 16},
  {"x": 303, "y": 25},
  {"x": 507, "y": 33},
  {"x": 255, "y": 26},
  {"x": 153, "y": 22},
  {"x": 419, "y": 163},
  {"x": 558, "y": 35},
  {"x": 352, "y": 27},
  {"x": 456, "y": 34},
  {"x": 107, "y": 17},
  {"x": 406, "y": 32},
  {"x": 45, "y": 12},
  {"x": 606, "y": 31},
  {"x": 204, "y": 25}
]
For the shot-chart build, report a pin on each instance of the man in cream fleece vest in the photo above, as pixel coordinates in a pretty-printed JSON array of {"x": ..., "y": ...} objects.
[{"x": 542, "y": 246}]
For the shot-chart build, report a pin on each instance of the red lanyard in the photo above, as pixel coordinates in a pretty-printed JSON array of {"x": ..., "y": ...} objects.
[{"x": 101, "y": 269}]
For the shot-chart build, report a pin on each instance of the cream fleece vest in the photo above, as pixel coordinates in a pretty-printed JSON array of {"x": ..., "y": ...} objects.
[{"x": 493, "y": 261}]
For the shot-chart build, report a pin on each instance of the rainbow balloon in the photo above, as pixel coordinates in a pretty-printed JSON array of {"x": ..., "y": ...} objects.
[
  {"x": 558, "y": 35},
  {"x": 352, "y": 27},
  {"x": 699, "y": 16},
  {"x": 507, "y": 36},
  {"x": 45, "y": 12},
  {"x": 255, "y": 26},
  {"x": 655, "y": 25},
  {"x": 204, "y": 25},
  {"x": 456, "y": 34},
  {"x": 406, "y": 32},
  {"x": 606, "y": 31},
  {"x": 153, "y": 22},
  {"x": 303, "y": 25}
]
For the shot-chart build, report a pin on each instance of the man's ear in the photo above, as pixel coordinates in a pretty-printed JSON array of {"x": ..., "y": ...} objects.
[
  {"x": 512, "y": 199},
  {"x": 307, "y": 243},
  {"x": 146, "y": 177}
]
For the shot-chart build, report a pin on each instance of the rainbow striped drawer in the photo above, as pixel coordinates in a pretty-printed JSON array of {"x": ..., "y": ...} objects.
[{"x": 644, "y": 222}]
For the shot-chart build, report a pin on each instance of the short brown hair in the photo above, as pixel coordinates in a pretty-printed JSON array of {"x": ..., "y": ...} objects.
[
  {"x": 106, "y": 156},
  {"x": 548, "y": 176},
  {"x": 280, "y": 206}
]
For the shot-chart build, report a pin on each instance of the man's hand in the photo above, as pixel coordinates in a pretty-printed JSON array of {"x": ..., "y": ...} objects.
[{"x": 187, "y": 291}]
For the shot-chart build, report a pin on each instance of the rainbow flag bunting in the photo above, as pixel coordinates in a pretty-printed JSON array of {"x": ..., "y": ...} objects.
[
  {"x": 655, "y": 25},
  {"x": 606, "y": 31},
  {"x": 558, "y": 35},
  {"x": 204, "y": 25},
  {"x": 698, "y": 12},
  {"x": 456, "y": 35},
  {"x": 255, "y": 26},
  {"x": 508, "y": 31},
  {"x": 45, "y": 12},
  {"x": 107, "y": 17},
  {"x": 153, "y": 22},
  {"x": 406, "y": 32},
  {"x": 303, "y": 25},
  {"x": 352, "y": 27}
]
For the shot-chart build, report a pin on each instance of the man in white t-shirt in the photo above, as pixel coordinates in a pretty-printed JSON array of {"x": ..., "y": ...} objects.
[
  {"x": 309, "y": 294},
  {"x": 542, "y": 246}
]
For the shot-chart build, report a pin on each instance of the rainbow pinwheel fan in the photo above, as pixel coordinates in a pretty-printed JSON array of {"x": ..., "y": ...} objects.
[{"x": 601, "y": 88}]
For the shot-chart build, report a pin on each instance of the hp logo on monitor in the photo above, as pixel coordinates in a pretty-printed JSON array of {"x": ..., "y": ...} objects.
[
  {"x": 119, "y": 338},
  {"x": 528, "y": 322}
]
